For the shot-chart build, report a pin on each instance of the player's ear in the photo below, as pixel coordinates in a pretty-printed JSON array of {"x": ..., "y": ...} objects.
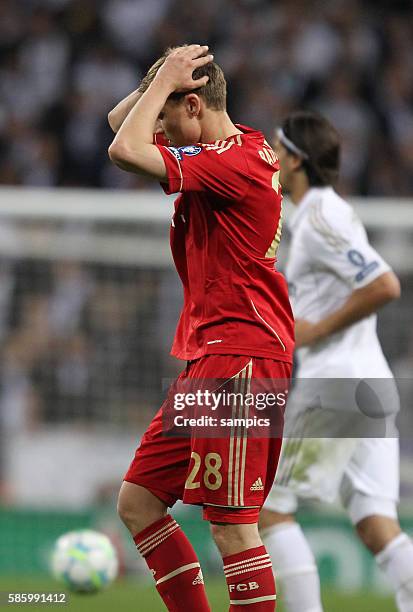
[{"x": 193, "y": 104}]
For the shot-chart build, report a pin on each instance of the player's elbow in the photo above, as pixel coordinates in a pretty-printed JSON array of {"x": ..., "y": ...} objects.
[
  {"x": 390, "y": 288},
  {"x": 112, "y": 122},
  {"x": 394, "y": 289},
  {"x": 126, "y": 158},
  {"x": 118, "y": 153}
]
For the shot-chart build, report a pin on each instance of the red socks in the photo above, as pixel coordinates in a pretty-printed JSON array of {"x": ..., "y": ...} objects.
[
  {"x": 250, "y": 581},
  {"x": 178, "y": 575},
  {"x": 174, "y": 565}
]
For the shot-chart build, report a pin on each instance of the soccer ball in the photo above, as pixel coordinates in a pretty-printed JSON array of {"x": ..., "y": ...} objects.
[{"x": 85, "y": 561}]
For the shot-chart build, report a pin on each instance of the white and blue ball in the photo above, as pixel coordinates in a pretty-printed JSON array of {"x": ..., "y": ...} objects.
[{"x": 84, "y": 561}]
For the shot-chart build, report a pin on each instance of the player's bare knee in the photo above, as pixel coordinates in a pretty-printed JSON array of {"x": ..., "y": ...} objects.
[
  {"x": 222, "y": 535},
  {"x": 377, "y": 531},
  {"x": 138, "y": 508},
  {"x": 270, "y": 518},
  {"x": 367, "y": 533},
  {"x": 231, "y": 539},
  {"x": 127, "y": 512}
]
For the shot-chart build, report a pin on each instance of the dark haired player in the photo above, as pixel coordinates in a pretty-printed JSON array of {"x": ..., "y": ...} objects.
[
  {"x": 236, "y": 324},
  {"x": 337, "y": 283}
]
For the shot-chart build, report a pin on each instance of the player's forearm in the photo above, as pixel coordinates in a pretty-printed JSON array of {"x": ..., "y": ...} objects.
[
  {"x": 132, "y": 148},
  {"x": 118, "y": 114},
  {"x": 361, "y": 303},
  {"x": 140, "y": 124}
]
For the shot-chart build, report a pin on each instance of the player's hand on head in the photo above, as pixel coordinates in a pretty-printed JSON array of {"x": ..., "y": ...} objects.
[{"x": 179, "y": 66}]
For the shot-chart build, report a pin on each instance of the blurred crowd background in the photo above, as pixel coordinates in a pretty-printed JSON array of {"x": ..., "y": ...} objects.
[{"x": 65, "y": 63}]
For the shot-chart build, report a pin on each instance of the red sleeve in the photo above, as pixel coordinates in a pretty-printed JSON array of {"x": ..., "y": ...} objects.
[{"x": 220, "y": 169}]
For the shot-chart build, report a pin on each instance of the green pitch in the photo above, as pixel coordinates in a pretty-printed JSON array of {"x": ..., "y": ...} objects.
[{"x": 129, "y": 596}]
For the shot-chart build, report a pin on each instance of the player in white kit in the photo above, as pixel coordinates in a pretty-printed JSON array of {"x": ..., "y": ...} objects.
[{"x": 337, "y": 283}]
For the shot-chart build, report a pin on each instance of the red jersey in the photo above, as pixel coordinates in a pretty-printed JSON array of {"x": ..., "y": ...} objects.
[{"x": 224, "y": 235}]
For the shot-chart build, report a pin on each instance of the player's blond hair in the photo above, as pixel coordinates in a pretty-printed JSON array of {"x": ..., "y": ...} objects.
[{"x": 214, "y": 92}]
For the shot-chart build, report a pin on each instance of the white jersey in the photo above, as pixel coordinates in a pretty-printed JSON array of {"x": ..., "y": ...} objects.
[{"x": 329, "y": 258}]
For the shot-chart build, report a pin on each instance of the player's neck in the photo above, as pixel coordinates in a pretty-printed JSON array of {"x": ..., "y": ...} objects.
[
  {"x": 217, "y": 125},
  {"x": 299, "y": 189}
]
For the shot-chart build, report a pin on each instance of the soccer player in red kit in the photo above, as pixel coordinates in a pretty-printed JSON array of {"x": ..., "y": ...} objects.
[{"x": 236, "y": 324}]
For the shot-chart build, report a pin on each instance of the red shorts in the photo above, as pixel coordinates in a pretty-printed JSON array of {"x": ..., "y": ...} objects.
[{"x": 231, "y": 473}]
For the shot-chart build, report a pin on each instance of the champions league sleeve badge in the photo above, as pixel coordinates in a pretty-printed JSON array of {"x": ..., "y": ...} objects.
[{"x": 190, "y": 150}]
